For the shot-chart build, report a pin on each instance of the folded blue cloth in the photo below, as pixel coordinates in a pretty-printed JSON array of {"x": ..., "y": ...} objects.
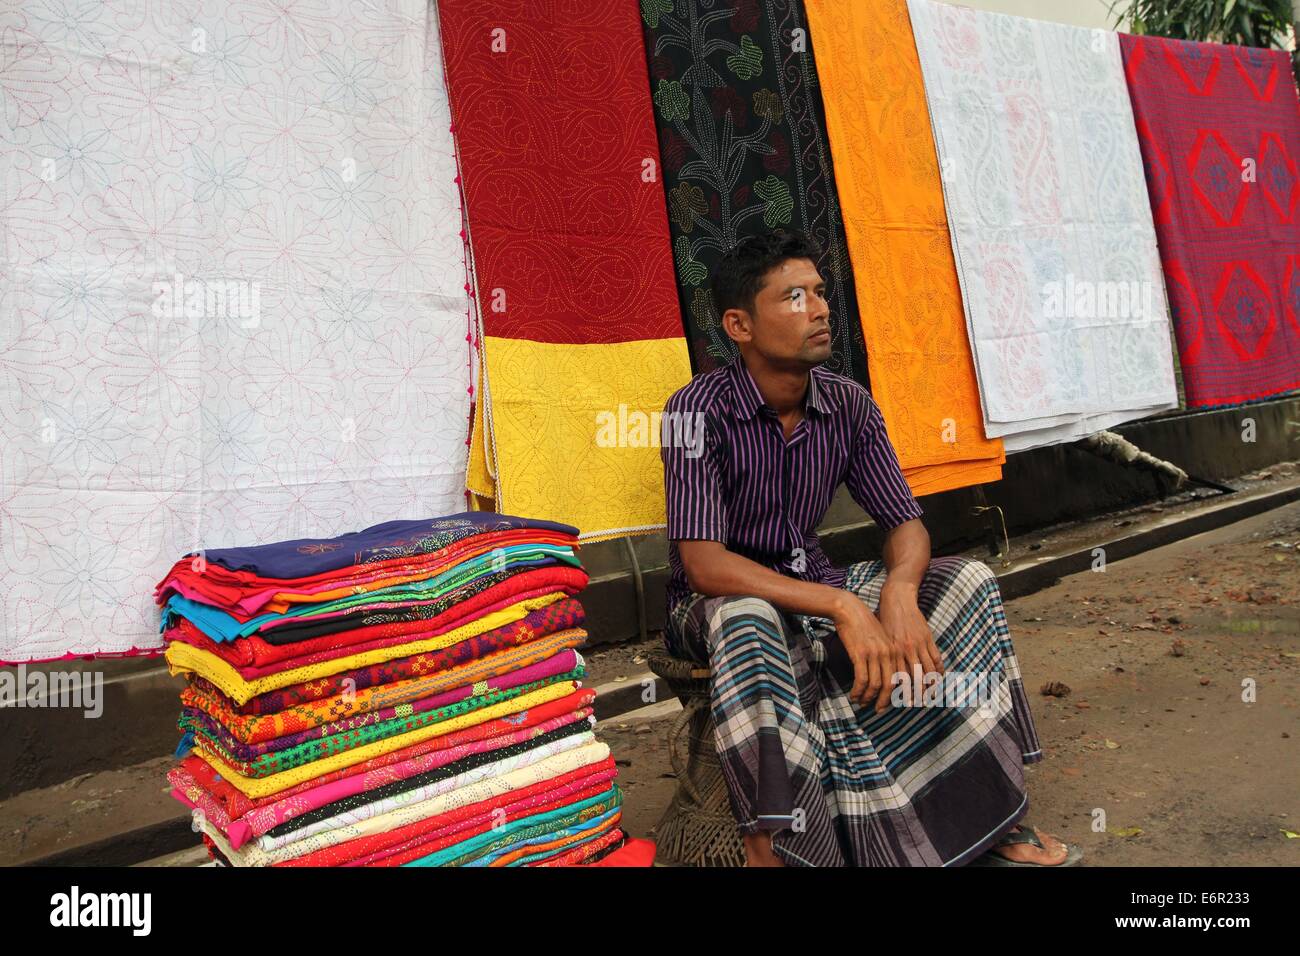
[
  {"x": 305, "y": 557},
  {"x": 457, "y": 850}
]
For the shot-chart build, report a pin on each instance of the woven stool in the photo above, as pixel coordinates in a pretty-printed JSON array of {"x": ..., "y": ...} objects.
[{"x": 698, "y": 828}]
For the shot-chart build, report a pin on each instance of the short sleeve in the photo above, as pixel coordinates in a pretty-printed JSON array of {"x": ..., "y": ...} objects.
[
  {"x": 690, "y": 449},
  {"x": 875, "y": 479}
]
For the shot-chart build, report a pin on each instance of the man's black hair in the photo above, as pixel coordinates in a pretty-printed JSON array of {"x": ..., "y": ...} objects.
[{"x": 739, "y": 273}]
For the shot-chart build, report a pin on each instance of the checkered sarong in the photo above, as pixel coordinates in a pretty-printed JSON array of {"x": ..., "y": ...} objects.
[{"x": 838, "y": 784}]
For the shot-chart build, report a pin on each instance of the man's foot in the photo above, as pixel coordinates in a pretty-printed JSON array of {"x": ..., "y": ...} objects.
[
  {"x": 758, "y": 849},
  {"x": 1052, "y": 853}
]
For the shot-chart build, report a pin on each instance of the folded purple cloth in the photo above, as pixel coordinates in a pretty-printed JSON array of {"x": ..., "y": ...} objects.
[{"x": 304, "y": 557}]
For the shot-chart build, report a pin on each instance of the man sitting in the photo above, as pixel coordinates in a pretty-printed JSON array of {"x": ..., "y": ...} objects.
[{"x": 829, "y": 758}]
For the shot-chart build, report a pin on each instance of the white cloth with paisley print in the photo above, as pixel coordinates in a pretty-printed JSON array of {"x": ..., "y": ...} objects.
[{"x": 1050, "y": 222}]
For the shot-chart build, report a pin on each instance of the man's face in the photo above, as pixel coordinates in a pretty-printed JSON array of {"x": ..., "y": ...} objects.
[{"x": 790, "y": 321}]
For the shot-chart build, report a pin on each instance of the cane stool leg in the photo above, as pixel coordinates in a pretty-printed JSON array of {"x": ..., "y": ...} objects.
[{"x": 698, "y": 828}]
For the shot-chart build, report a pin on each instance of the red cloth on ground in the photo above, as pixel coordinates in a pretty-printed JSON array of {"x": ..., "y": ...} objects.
[{"x": 635, "y": 852}]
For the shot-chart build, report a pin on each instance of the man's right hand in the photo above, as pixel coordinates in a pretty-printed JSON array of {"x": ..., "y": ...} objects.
[{"x": 875, "y": 657}]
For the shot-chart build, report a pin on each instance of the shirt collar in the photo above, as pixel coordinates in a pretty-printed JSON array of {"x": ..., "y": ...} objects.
[{"x": 749, "y": 399}]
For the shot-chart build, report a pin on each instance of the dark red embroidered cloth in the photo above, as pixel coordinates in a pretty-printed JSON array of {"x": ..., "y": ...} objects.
[{"x": 1220, "y": 133}]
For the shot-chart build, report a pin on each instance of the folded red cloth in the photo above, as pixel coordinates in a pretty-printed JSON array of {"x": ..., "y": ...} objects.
[
  {"x": 634, "y": 852},
  {"x": 254, "y": 657},
  {"x": 422, "y": 837}
]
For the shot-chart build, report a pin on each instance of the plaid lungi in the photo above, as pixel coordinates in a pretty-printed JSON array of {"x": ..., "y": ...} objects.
[{"x": 838, "y": 784}]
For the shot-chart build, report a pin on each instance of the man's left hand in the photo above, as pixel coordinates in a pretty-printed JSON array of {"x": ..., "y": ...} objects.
[{"x": 906, "y": 626}]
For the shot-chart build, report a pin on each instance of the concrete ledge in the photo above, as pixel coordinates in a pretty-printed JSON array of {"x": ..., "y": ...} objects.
[
  {"x": 42, "y": 746},
  {"x": 127, "y": 849},
  {"x": 1028, "y": 576},
  {"x": 620, "y": 697}
]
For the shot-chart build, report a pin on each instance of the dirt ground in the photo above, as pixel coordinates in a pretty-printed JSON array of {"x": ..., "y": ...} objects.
[{"x": 1152, "y": 757}]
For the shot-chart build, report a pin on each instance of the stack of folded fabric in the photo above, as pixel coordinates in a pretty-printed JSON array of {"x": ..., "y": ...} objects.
[{"x": 405, "y": 695}]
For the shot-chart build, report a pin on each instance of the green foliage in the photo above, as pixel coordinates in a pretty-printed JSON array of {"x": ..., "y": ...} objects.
[
  {"x": 1260, "y": 23},
  {"x": 652, "y": 10},
  {"x": 689, "y": 268}
]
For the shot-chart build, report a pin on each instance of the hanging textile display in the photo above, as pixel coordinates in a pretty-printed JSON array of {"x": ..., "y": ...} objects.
[
  {"x": 232, "y": 307},
  {"x": 743, "y": 144},
  {"x": 581, "y": 341},
  {"x": 1050, "y": 223},
  {"x": 1219, "y": 128},
  {"x": 887, "y": 176}
]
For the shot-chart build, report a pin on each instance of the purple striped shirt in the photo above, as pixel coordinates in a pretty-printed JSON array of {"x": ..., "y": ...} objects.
[{"x": 731, "y": 476}]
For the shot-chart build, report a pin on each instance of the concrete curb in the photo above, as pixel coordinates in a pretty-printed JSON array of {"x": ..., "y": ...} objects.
[
  {"x": 126, "y": 849},
  {"x": 1028, "y": 576}
]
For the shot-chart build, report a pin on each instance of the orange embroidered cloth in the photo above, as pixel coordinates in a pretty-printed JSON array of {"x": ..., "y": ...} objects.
[{"x": 888, "y": 178}]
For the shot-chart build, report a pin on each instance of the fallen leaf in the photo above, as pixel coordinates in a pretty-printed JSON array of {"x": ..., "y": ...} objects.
[
  {"x": 1111, "y": 745},
  {"x": 1124, "y": 831},
  {"x": 1291, "y": 836}
]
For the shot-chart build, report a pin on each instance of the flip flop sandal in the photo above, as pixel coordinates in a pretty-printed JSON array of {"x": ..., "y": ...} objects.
[{"x": 1023, "y": 834}]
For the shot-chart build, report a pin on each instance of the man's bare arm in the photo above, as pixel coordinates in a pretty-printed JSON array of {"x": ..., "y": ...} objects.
[
  {"x": 713, "y": 570},
  {"x": 907, "y": 555}
]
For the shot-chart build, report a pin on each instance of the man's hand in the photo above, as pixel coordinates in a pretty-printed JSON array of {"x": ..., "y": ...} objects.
[
  {"x": 908, "y": 630},
  {"x": 874, "y": 657},
  {"x": 879, "y": 647}
]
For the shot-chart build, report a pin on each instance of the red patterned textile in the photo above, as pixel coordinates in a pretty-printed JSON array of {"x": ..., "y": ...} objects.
[{"x": 1219, "y": 128}]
